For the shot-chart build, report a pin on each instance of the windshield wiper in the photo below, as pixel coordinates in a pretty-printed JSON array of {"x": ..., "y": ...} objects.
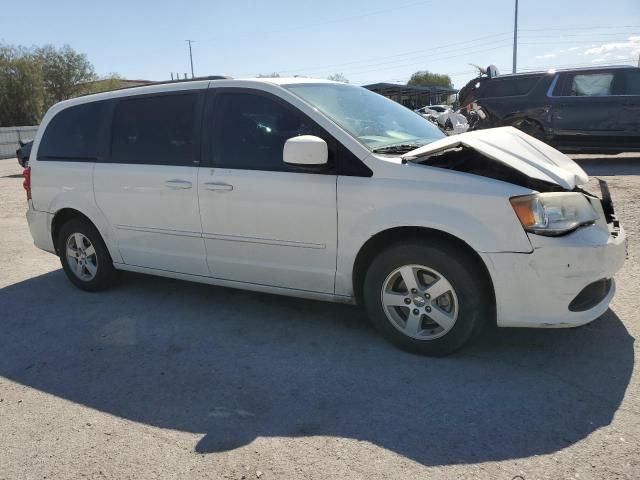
[{"x": 398, "y": 148}]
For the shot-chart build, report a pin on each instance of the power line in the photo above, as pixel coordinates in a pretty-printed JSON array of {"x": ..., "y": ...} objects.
[
  {"x": 419, "y": 58},
  {"x": 562, "y": 35},
  {"x": 570, "y": 65},
  {"x": 448, "y": 55},
  {"x": 373, "y": 61},
  {"x": 432, "y": 59},
  {"x": 578, "y": 28},
  {"x": 327, "y": 22},
  {"x": 409, "y": 53},
  {"x": 582, "y": 42},
  {"x": 415, "y": 56},
  {"x": 422, "y": 53}
]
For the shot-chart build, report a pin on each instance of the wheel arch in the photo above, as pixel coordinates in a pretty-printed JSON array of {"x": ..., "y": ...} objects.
[
  {"x": 61, "y": 217},
  {"x": 394, "y": 235},
  {"x": 64, "y": 214},
  {"x": 534, "y": 118}
]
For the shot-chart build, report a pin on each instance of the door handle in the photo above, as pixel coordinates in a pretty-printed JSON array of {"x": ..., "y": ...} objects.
[
  {"x": 178, "y": 184},
  {"x": 221, "y": 187}
]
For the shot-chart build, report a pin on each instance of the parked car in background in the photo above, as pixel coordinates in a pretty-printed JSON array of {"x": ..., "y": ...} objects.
[
  {"x": 579, "y": 110},
  {"x": 22, "y": 154},
  {"x": 327, "y": 191},
  {"x": 431, "y": 112},
  {"x": 427, "y": 113},
  {"x": 438, "y": 108},
  {"x": 451, "y": 122}
]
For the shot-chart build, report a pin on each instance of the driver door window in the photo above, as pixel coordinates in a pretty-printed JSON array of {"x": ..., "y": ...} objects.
[{"x": 252, "y": 131}]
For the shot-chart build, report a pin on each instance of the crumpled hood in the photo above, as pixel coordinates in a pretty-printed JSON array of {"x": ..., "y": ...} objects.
[{"x": 516, "y": 149}]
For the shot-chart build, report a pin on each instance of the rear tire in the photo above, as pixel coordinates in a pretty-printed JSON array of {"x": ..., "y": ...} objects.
[
  {"x": 445, "y": 306},
  {"x": 84, "y": 256}
]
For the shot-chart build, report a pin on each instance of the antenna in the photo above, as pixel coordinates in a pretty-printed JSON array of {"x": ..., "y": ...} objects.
[
  {"x": 515, "y": 38},
  {"x": 190, "y": 55}
]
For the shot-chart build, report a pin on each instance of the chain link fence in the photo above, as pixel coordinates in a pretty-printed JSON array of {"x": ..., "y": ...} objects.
[{"x": 10, "y": 138}]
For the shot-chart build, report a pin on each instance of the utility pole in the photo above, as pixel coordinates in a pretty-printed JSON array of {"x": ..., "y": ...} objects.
[
  {"x": 515, "y": 39},
  {"x": 190, "y": 55}
]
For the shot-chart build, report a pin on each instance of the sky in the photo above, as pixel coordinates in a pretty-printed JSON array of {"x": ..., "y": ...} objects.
[{"x": 367, "y": 41}]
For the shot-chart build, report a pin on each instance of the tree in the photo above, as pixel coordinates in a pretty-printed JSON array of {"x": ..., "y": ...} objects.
[
  {"x": 268, "y": 75},
  {"x": 338, "y": 77},
  {"x": 64, "y": 71},
  {"x": 22, "y": 95},
  {"x": 113, "y": 81},
  {"x": 31, "y": 80},
  {"x": 428, "y": 79}
]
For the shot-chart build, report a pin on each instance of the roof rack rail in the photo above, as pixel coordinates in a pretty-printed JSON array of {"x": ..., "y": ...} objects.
[
  {"x": 163, "y": 82},
  {"x": 195, "y": 79},
  {"x": 566, "y": 69}
]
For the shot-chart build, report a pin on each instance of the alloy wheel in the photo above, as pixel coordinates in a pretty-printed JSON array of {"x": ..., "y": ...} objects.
[
  {"x": 81, "y": 257},
  {"x": 420, "y": 302}
]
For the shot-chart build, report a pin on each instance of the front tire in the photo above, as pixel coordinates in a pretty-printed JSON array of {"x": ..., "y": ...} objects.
[
  {"x": 84, "y": 256},
  {"x": 428, "y": 299}
]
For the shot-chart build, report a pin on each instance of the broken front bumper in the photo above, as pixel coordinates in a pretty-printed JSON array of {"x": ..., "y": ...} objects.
[{"x": 565, "y": 282}]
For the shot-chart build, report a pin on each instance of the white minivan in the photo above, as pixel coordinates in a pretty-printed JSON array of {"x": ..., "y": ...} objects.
[{"x": 326, "y": 191}]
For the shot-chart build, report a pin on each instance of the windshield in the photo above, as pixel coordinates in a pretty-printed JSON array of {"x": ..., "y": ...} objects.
[{"x": 376, "y": 121}]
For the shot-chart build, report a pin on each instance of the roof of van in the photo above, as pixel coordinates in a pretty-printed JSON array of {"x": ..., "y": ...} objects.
[
  {"x": 286, "y": 80},
  {"x": 561, "y": 70},
  {"x": 183, "y": 84}
]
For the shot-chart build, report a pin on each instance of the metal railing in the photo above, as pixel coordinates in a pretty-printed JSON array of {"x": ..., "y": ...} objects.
[{"x": 10, "y": 138}]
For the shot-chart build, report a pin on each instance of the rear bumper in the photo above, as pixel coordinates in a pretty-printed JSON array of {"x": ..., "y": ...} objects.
[
  {"x": 40, "y": 228},
  {"x": 537, "y": 289}
]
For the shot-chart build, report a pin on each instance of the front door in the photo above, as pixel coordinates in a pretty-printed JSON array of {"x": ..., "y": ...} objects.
[
  {"x": 147, "y": 187},
  {"x": 263, "y": 222}
]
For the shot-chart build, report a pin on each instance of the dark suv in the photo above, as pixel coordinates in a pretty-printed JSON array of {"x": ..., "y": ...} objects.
[{"x": 580, "y": 110}]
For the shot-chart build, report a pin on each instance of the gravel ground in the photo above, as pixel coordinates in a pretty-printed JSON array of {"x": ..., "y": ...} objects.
[{"x": 167, "y": 379}]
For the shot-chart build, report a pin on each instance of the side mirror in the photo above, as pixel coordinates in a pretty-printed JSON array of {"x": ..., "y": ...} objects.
[{"x": 305, "y": 151}]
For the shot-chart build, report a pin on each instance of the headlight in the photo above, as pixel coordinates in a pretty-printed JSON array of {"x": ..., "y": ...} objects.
[{"x": 553, "y": 213}]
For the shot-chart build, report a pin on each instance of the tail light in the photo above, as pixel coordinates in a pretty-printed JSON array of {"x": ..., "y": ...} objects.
[{"x": 27, "y": 181}]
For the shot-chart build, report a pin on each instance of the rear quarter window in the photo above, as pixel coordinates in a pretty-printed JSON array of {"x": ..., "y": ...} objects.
[
  {"x": 512, "y": 87},
  {"x": 72, "y": 134}
]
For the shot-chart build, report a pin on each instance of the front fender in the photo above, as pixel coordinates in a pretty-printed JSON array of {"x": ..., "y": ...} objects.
[{"x": 475, "y": 214}]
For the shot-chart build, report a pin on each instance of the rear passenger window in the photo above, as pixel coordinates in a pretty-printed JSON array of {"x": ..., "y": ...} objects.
[
  {"x": 509, "y": 87},
  {"x": 155, "y": 130},
  {"x": 631, "y": 83},
  {"x": 72, "y": 134},
  {"x": 252, "y": 130},
  {"x": 591, "y": 85}
]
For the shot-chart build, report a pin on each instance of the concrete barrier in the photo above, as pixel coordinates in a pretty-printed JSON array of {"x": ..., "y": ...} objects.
[{"x": 10, "y": 138}]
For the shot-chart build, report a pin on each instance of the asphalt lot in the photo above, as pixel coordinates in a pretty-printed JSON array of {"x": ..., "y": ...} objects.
[{"x": 167, "y": 379}]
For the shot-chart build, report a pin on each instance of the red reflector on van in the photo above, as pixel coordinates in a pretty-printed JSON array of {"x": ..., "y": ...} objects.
[{"x": 27, "y": 181}]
